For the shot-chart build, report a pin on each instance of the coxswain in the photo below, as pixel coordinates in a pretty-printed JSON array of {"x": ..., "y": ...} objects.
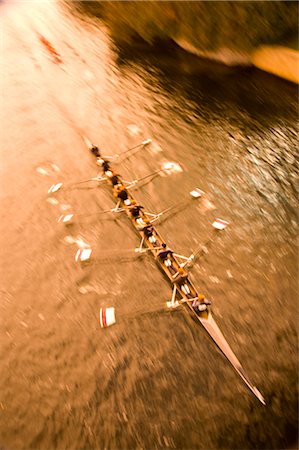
[
  {"x": 200, "y": 303},
  {"x": 164, "y": 252},
  {"x": 95, "y": 151}
]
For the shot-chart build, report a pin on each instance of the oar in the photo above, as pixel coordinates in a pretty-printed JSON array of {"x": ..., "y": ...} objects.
[
  {"x": 89, "y": 144},
  {"x": 142, "y": 144},
  {"x": 219, "y": 225},
  {"x": 107, "y": 315},
  {"x": 84, "y": 253},
  {"x": 56, "y": 187},
  {"x": 68, "y": 218},
  {"x": 195, "y": 194},
  {"x": 166, "y": 168}
]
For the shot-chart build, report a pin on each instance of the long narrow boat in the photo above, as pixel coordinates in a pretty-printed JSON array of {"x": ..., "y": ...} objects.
[{"x": 172, "y": 268}]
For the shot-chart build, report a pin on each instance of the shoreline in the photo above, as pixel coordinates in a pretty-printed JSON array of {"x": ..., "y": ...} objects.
[{"x": 277, "y": 60}]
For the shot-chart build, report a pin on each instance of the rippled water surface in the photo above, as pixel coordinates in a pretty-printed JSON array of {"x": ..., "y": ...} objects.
[{"x": 154, "y": 380}]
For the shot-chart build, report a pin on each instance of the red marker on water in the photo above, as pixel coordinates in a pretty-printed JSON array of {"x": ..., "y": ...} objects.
[{"x": 55, "y": 55}]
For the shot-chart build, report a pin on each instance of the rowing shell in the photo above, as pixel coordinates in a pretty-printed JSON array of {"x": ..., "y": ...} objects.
[{"x": 182, "y": 285}]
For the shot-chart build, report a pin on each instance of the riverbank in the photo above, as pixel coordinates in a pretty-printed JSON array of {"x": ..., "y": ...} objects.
[{"x": 278, "y": 60}]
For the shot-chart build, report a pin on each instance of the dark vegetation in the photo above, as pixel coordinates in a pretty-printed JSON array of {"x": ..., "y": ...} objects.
[{"x": 207, "y": 26}]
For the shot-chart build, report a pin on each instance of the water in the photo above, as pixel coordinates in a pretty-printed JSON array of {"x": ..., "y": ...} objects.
[{"x": 154, "y": 381}]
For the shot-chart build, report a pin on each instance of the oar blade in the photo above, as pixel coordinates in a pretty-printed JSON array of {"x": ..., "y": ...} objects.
[
  {"x": 170, "y": 167},
  {"x": 196, "y": 193},
  {"x": 67, "y": 219},
  {"x": 54, "y": 188},
  {"x": 107, "y": 317},
  {"x": 220, "y": 224},
  {"x": 83, "y": 255},
  {"x": 146, "y": 142}
]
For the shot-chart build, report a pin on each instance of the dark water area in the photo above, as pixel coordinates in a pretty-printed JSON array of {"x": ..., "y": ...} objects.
[{"x": 154, "y": 380}]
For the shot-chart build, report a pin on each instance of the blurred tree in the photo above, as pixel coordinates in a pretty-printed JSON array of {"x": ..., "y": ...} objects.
[{"x": 205, "y": 25}]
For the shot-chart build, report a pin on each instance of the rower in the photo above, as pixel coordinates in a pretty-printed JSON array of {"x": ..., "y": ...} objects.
[
  {"x": 168, "y": 262},
  {"x": 142, "y": 222},
  {"x": 164, "y": 252},
  {"x": 148, "y": 233},
  {"x": 185, "y": 288},
  {"x": 180, "y": 276},
  {"x": 200, "y": 303},
  {"x": 135, "y": 210},
  {"x": 148, "y": 230},
  {"x": 114, "y": 179},
  {"x": 95, "y": 151},
  {"x": 105, "y": 165},
  {"x": 123, "y": 195}
]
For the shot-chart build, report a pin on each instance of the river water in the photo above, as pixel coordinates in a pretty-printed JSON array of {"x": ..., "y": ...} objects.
[{"x": 154, "y": 380}]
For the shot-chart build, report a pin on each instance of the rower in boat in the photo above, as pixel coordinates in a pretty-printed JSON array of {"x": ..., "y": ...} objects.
[
  {"x": 114, "y": 179},
  {"x": 122, "y": 194},
  {"x": 142, "y": 222},
  {"x": 164, "y": 252},
  {"x": 95, "y": 151},
  {"x": 181, "y": 280},
  {"x": 135, "y": 209},
  {"x": 200, "y": 303},
  {"x": 180, "y": 276},
  {"x": 148, "y": 232},
  {"x": 105, "y": 166}
]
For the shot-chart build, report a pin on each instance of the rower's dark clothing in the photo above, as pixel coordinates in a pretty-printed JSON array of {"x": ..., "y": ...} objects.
[
  {"x": 180, "y": 279},
  {"x": 164, "y": 253},
  {"x": 95, "y": 151},
  {"x": 105, "y": 166},
  {"x": 123, "y": 195},
  {"x": 135, "y": 210},
  {"x": 114, "y": 180},
  {"x": 148, "y": 231}
]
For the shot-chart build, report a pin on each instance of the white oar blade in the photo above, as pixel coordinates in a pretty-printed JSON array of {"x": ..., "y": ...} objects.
[
  {"x": 42, "y": 171},
  {"x": 65, "y": 206},
  {"x": 69, "y": 240},
  {"x": 156, "y": 148},
  {"x": 107, "y": 317},
  {"x": 54, "y": 188},
  {"x": 196, "y": 193},
  {"x": 55, "y": 168},
  {"x": 83, "y": 255},
  {"x": 220, "y": 224},
  {"x": 66, "y": 219},
  {"x": 172, "y": 305},
  {"x": 133, "y": 129},
  {"x": 146, "y": 142},
  {"x": 53, "y": 201},
  {"x": 81, "y": 244},
  {"x": 171, "y": 167}
]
